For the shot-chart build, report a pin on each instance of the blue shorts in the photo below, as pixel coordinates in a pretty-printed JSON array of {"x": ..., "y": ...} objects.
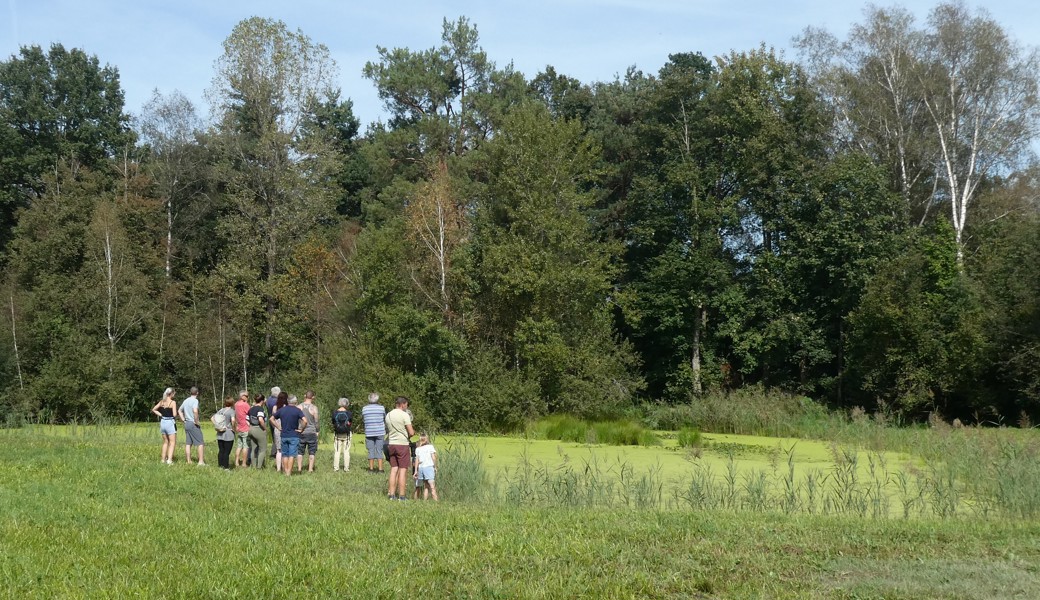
[
  {"x": 168, "y": 426},
  {"x": 426, "y": 473},
  {"x": 290, "y": 447}
]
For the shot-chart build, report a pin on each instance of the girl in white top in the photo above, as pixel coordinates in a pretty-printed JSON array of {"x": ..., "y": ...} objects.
[{"x": 426, "y": 463}]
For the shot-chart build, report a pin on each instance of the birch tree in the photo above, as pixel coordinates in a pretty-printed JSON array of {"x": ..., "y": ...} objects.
[{"x": 980, "y": 89}]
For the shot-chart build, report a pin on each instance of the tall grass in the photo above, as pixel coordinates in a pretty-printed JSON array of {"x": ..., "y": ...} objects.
[
  {"x": 623, "y": 432},
  {"x": 747, "y": 411}
]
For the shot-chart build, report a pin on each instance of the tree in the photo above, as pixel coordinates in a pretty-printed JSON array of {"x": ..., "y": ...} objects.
[
  {"x": 58, "y": 106},
  {"x": 543, "y": 279},
  {"x": 276, "y": 169},
  {"x": 945, "y": 107}
]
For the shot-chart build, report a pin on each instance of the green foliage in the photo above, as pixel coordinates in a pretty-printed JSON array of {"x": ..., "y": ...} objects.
[
  {"x": 748, "y": 411},
  {"x": 689, "y": 438},
  {"x": 567, "y": 428},
  {"x": 917, "y": 338}
]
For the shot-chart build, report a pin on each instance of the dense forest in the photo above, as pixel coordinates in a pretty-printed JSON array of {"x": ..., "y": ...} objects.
[{"x": 860, "y": 226}]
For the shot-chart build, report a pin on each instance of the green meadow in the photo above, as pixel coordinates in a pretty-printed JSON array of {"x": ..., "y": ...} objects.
[{"x": 88, "y": 512}]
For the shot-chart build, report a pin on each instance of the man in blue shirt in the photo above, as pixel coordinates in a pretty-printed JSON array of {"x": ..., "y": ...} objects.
[{"x": 292, "y": 421}]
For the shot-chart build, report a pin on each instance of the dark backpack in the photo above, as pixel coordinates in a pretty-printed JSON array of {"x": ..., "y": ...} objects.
[{"x": 341, "y": 422}]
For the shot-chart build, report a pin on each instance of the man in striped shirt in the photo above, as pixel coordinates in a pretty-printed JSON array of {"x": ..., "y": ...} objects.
[{"x": 375, "y": 429}]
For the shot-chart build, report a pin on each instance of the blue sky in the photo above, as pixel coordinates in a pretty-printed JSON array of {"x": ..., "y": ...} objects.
[{"x": 173, "y": 45}]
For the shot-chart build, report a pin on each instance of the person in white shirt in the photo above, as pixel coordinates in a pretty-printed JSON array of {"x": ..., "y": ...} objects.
[{"x": 426, "y": 460}]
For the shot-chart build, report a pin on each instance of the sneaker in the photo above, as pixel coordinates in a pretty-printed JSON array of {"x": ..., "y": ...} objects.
[
  {"x": 389, "y": 497},
  {"x": 169, "y": 462},
  {"x": 202, "y": 464},
  {"x": 402, "y": 498}
]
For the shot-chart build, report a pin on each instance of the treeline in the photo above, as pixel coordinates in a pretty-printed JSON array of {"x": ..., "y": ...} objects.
[{"x": 859, "y": 226}]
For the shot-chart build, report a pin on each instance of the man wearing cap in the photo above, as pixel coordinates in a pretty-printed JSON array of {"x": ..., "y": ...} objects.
[{"x": 398, "y": 430}]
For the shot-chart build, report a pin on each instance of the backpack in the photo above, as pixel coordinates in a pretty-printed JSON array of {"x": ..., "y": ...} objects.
[
  {"x": 341, "y": 422},
  {"x": 220, "y": 421},
  {"x": 254, "y": 419}
]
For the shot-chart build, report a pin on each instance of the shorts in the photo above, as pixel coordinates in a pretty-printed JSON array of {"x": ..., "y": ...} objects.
[
  {"x": 193, "y": 433},
  {"x": 241, "y": 440},
  {"x": 425, "y": 474},
  {"x": 399, "y": 456},
  {"x": 374, "y": 445},
  {"x": 308, "y": 443},
  {"x": 290, "y": 447},
  {"x": 167, "y": 426}
]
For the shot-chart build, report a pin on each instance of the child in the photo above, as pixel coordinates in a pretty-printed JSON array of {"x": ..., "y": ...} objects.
[{"x": 426, "y": 467}]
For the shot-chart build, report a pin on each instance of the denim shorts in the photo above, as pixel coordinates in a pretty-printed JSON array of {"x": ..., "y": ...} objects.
[
  {"x": 426, "y": 473},
  {"x": 290, "y": 447},
  {"x": 168, "y": 426}
]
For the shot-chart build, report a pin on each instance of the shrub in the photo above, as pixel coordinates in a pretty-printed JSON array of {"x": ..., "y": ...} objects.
[
  {"x": 624, "y": 432},
  {"x": 750, "y": 411},
  {"x": 689, "y": 438}
]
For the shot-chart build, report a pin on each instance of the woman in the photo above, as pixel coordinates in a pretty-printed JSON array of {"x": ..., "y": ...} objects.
[
  {"x": 226, "y": 438},
  {"x": 166, "y": 409},
  {"x": 283, "y": 399},
  {"x": 257, "y": 432}
]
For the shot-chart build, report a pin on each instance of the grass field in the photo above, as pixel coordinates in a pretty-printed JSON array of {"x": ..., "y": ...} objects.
[{"x": 90, "y": 513}]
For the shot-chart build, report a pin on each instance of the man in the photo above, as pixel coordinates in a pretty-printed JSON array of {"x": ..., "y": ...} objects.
[
  {"x": 342, "y": 419},
  {"x": 189, "y": 413},
  {"x": 398, "y": 430},
  {"x": 289, "y": 420},
  {"x": 309, "y": 435},
  {"x": 272, "y": 401},
  {"x": 242, "y": 429},
  {"x": 373, "y": 416}
]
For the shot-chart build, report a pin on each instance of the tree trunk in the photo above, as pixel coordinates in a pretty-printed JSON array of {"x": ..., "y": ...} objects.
[{"x": 699, "y": 322}]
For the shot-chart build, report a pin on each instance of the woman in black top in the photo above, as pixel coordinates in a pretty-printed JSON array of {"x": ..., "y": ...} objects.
[{"x": 165, "y": 409}]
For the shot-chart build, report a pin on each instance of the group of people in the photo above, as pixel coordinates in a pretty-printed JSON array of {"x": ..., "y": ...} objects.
[{"x": 243, "y": 426}]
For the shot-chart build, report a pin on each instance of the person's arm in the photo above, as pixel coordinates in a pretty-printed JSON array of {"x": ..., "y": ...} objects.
[
  {"x": 411, "y": 431},
  {"x": 263, "y": 424},
  {"x": 155, "y": 409},
  {"x": 433, "y": 455},
  {"x": 195, "y": 411},
  {"x": 303, "y": 424}
]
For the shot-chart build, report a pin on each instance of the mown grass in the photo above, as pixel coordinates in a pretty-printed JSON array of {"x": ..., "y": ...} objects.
[{"x": 93, "y": 515}]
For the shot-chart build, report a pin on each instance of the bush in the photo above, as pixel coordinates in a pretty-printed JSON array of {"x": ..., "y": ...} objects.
[
  {"x": 689, "y": 438},
  {"x": 749, "y": 411},
  {"x": 566, "y": 428}
]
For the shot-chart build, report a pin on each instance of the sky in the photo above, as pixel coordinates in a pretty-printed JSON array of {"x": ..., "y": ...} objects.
[{"x": 172, "y": 45}]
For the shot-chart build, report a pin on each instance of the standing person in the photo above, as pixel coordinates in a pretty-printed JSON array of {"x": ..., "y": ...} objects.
[
  {"x": 192, "y": 429},
  {"x": 342, "y": 419},
  {"x": 242, "y": 429},
  {"x": 224, "y": 421},
  {"x": 166, "y": 410},
  {"x": 272, "y": 405},
  {"x": 290, "y": 421},
  {"x": 374, "y": 415},
  {"x": 257, "y": 432},
  {"x": 426, "y": 467},
  {"x": 398, "y": 430},
  {"x": 309, "y": 435},
  {"x": 280, "y": 402}
]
